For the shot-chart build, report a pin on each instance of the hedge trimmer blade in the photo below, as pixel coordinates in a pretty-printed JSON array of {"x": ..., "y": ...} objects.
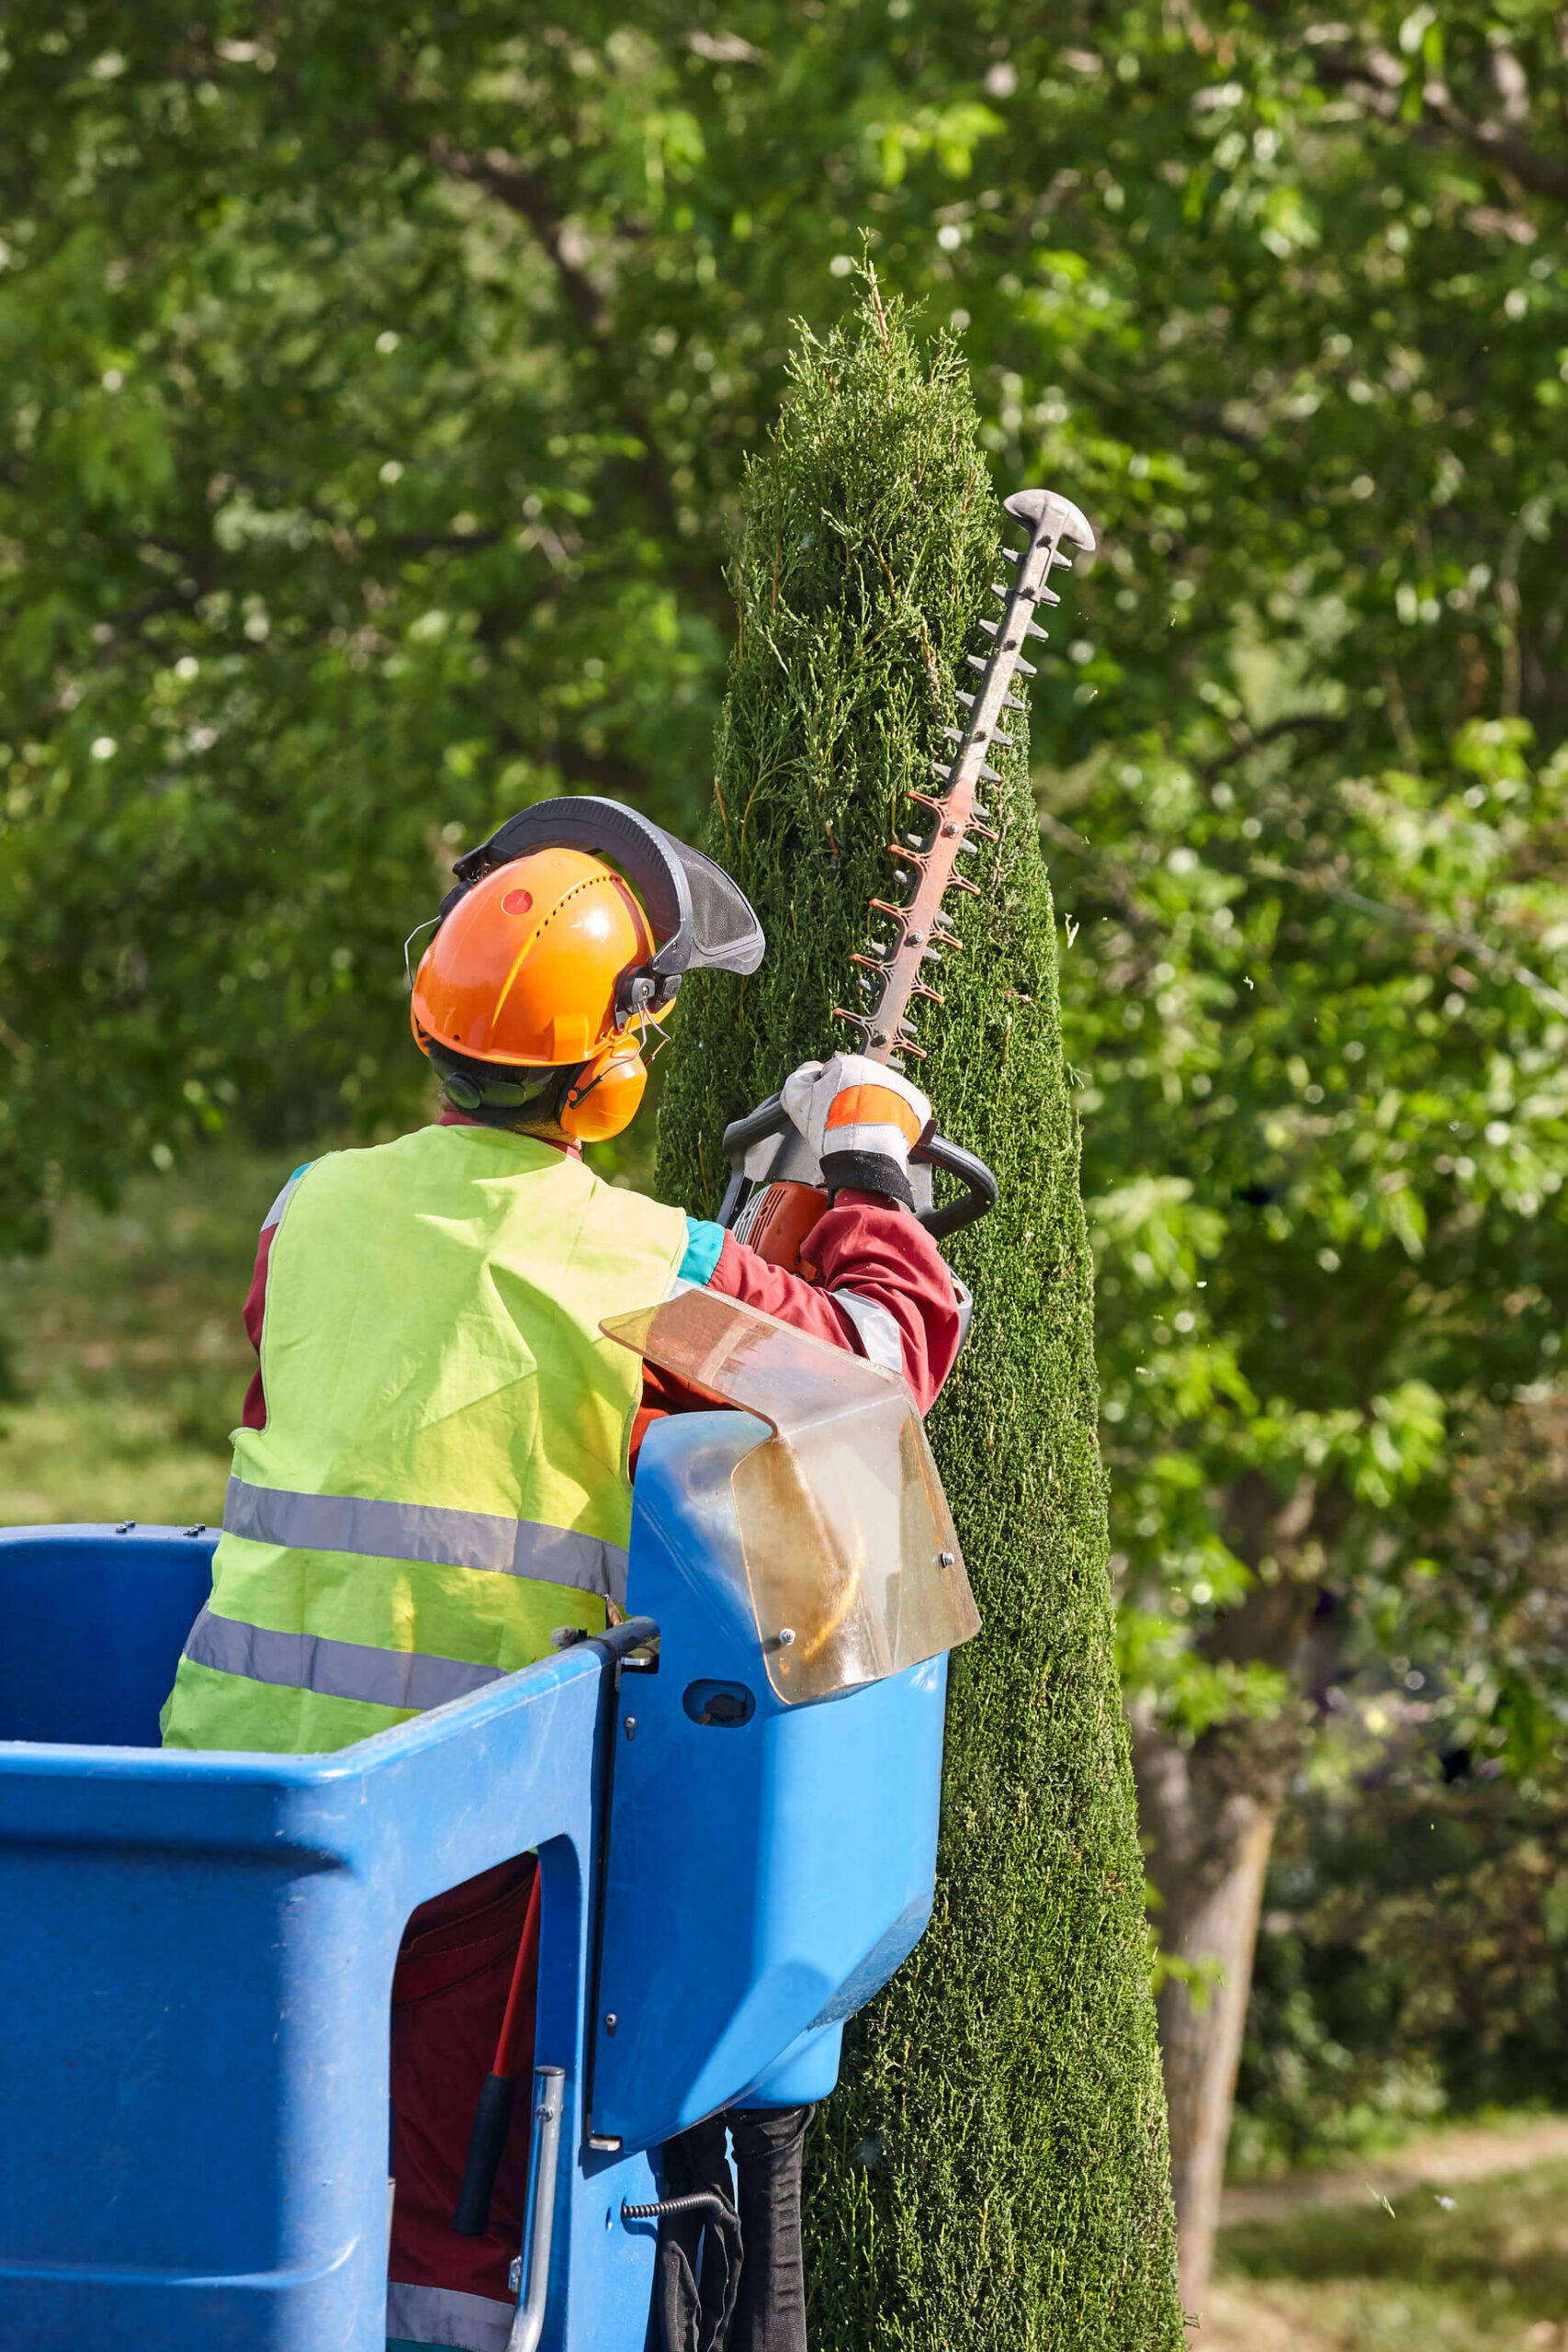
[
  {"x": 891, "y": 973},
  {"x": 773, "y": 1199}
]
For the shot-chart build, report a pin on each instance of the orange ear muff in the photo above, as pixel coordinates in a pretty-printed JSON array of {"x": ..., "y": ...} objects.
[{"x": 603, "y": 1098}]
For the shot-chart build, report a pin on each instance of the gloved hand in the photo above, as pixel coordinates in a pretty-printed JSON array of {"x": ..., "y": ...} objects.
[{"x": 861, "y": 1120}]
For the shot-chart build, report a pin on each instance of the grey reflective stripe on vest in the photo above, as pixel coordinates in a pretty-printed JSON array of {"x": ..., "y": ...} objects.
[
  {"x": 332, "y": 1670},
  {"x": 443, "y": 2315},
  {"x": 425, "y": 1531},
  {"x": 881, "y": 1340}
]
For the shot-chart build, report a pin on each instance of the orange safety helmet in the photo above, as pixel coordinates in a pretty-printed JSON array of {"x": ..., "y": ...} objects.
[{"x": 534, "y": 997}]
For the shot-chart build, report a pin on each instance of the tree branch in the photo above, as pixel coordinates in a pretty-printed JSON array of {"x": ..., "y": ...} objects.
[
  {"x": 1542, "y": 174},
  {"x": 1375, "y": 82},
  {"x": 1482, "y": 949},
  {"x": 528, "y": 194},
  {"x": 1110, "y": 871},
  {"x": 1250, "y": 741}
]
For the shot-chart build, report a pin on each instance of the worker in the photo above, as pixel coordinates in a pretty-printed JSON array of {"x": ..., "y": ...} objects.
[{"x": 432, "y": 1481}]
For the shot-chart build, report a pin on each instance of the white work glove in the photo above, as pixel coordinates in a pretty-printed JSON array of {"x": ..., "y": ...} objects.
[{"x": 861, "y": 1120}]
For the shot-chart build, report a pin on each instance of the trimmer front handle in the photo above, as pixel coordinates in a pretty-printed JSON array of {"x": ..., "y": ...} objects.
[
  {"x": 794, "y": 1162},
  {"x": 980, "y": 1189}
]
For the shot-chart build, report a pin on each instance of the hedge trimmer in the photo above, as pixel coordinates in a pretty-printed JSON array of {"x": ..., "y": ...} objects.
[{"x": 774, "y": 1195}]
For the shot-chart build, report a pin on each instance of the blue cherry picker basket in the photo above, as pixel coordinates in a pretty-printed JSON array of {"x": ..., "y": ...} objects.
[{"x": 734, "y": 1800}]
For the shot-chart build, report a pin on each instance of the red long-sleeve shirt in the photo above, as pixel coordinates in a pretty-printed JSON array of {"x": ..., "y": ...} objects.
[{"x": 881, "y": 1290}]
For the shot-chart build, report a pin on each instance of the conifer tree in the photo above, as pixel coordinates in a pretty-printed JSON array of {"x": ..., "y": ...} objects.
[{"x": 992, "y": 2173}]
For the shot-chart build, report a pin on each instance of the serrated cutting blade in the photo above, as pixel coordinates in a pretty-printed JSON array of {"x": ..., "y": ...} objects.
[{"x": 930, "y": 863}]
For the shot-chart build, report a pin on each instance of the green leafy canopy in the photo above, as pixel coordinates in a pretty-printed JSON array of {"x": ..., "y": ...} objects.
[{"x": 375, "y": 397}]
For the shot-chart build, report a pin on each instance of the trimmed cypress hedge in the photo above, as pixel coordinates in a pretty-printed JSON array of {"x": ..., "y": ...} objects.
[{"x": 992, "y": 2174}]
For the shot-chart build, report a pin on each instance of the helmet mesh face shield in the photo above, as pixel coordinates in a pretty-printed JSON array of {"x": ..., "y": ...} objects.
[{"x": 725, "y": 933}]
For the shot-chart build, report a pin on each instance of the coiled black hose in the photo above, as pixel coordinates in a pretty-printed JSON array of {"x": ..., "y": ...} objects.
[{"x": 704, "y": 2201}]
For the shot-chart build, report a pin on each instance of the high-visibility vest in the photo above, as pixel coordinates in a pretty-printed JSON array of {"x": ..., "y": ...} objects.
[{"x": 442, "y": 1480}]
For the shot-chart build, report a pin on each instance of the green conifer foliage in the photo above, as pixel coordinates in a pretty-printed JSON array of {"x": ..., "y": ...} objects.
[{"x": 992, "y": 2174}]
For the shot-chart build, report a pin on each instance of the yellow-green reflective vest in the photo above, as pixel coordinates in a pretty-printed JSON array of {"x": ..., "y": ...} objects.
[{"x": 442, "y": 1480}]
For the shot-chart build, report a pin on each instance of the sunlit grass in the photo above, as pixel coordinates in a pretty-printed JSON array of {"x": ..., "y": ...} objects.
[
  {"x": 1487, "y": 2268},
  {"x": 127, "y": 1348}
]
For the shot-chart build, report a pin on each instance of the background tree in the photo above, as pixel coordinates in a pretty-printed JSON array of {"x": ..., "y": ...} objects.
[
  {"x": 396, "y": 374},
  {"x": 1414, "y": 1951},
  {"x": 1316, "y": 1026},
  {"x": 1010, "y": 2072}
]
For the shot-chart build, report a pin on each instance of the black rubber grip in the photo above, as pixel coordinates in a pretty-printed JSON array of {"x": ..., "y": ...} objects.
[
  {"x": 979, "y": 1194},
  {"x": 867, "y": 1172},
  {"x": 630, "y": 1635},
  {"x": 487, "y": 2146}
]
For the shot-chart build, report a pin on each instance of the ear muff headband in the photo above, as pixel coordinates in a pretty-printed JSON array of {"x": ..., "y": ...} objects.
[
  {"x": 589, "y": 1102},
  {"x": 491, "y": 1092}
]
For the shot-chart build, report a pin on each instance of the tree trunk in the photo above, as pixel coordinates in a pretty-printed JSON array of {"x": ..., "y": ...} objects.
[
  {"x": 1210, "y": 1811},
  {"x": 1208, "y": 1808}
]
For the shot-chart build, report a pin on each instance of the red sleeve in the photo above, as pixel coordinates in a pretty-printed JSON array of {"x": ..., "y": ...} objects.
[
  {"x": 886, "y": 1263},
  {"x": 254, "y": 1414},
  {"x": 883, "y": 1256}
]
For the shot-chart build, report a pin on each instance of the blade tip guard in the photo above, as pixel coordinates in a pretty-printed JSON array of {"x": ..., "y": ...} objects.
[{"x": 1032, "y": 506}]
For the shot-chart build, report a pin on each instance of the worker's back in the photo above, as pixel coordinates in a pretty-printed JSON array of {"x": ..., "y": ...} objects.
[{"x": 441, "y": 1477}]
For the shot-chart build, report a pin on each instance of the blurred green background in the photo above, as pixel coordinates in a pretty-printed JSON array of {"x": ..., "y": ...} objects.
[{"x": 377, "y": 389}]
